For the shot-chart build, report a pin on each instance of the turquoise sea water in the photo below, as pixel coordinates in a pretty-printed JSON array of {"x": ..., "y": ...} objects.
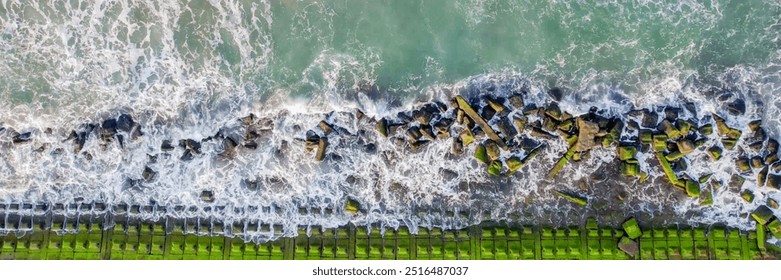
[{"x": 188, "y": 68}]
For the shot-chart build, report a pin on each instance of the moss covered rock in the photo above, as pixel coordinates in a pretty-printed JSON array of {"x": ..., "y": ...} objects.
[
  {"x": 742, "y": 164},
  {"x": 775, "y": 228},
  {"x": 630, "y": 169},
  {"x": 481, "y": 155},
  {"x": 495, "y": 168},
  {"x": 352, "y": 206},
  {"x": 747, "y": 195},
  {"x": 714, "y": 153},
  {"x": 582, "y": 201},
  {"x": 706, "y": 129},
  {"x": 632, "y": 229},
  {"x": 626, "y": 152},
  {"x": 762, "y": 214},
  {"x": 692, "y": 188}
]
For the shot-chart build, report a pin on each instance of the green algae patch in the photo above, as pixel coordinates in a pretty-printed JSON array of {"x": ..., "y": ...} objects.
[
  {"x": 646, "y": 136},
  {"x": 481, "y": 154},
  {"x": 582, "y": 201},
  {"x": 762, "y": 214},
  {"x": 632, "y": 229},
  {"x": 467, "y": 137},
  {"x": 705, "y": 178},
  {"x": 352, "y": 206}
]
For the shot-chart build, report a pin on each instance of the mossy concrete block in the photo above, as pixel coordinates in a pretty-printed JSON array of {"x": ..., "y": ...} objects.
[
  {"x": 761, "y": 236},
  {"x": 668, "y": 170},
  {"x": 352, "y": 206},
  {"x": 669, "y": 129},
  {"x": 683, "y": 126},
  {"x": 729, "y": 144},
  {"x": 674, "y": 156},
  {"x": 646, "y": 136},
  {"x": 775, "y": 228},
  {"x": 626, "y": 152},
  {"x": 772, "y": 203},
  {"x": 492, "y": 150},
  {"x": 715, "y": 153},
  {"x": 632, "y": 229},
  {"x": 685, "y": 146},
  {"x": 513, "y": 164},
  {"x": 629, "y": 246},
  {"x": 742, "y": 164},
  {"x": 582, "y": 201},
  {"x": 495, "y": 168},
  {"x": 630, "y": 169},
  {"x": 466, "y": 137},
  {"x": 773, "y": 181},
  {"x": 747, "y": 195},
  {"x": 692, "y": 188},
  {"x": 706, "y": 129},
  {"x": 762, "y": 214},
  {"x": 481, "y": 155},
  {"x": 762, "y": 176},
  {"x": 562, "y": 161},
  {"x": 660, "y": 142}
]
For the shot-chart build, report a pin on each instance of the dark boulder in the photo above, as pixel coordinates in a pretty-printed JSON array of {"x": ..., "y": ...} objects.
[
  {"x": 22, "y": 138},
  {"x": 737, "y": 107},
  {"x": 166, "y": 146},
  {"x": 556, "y": 93}
]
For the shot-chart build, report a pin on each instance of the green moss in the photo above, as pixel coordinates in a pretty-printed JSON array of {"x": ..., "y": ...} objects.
[
  {"x": 582, "y": 201},
  {"x": 632, "y": 229},
  {"x": 761, "y": 238},
  {"x": 480, "y": 154},
  {"x": 762, "y": 214},
  {"x": 704, "y": 178},
  {"x": 626, "y": 152}
]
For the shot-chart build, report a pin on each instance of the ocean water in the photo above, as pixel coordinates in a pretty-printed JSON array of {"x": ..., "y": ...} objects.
[{"x": 189, "y": 69}]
